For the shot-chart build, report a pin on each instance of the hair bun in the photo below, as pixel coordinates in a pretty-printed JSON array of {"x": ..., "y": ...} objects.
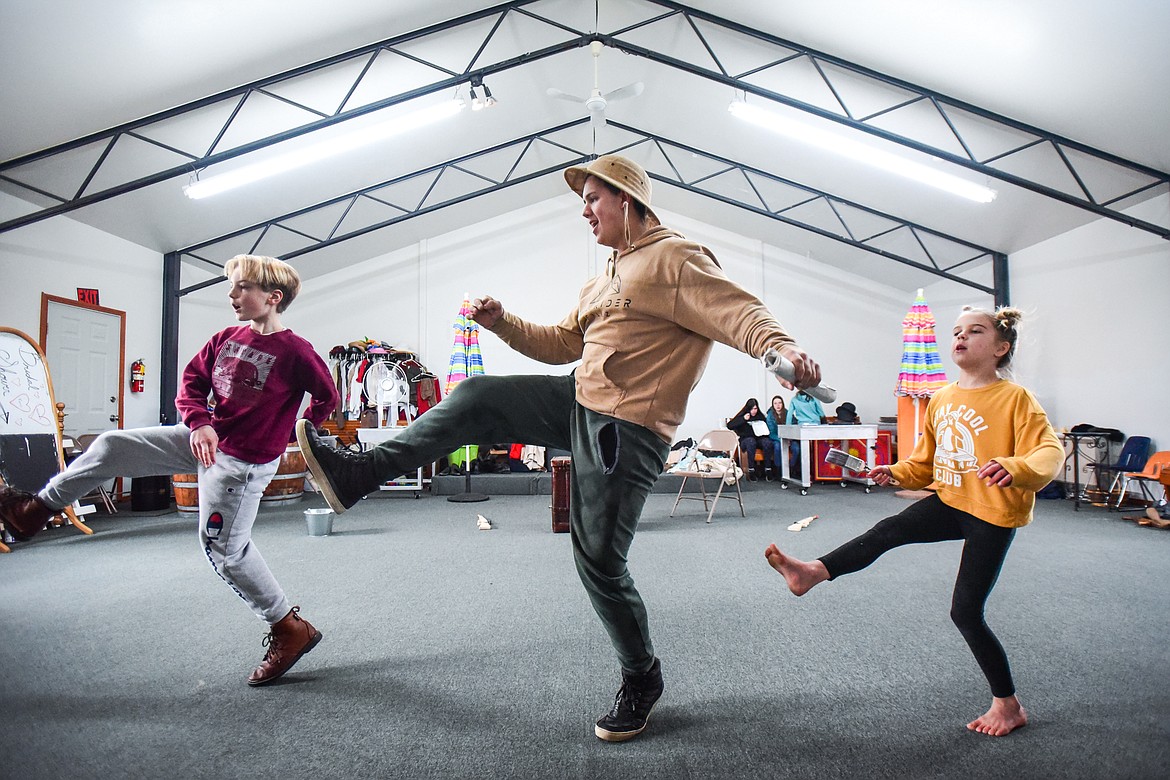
[{"x": 1008, "y": 317}]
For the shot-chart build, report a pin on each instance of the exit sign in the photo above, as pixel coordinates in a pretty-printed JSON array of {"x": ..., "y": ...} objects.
[{"x": 88, "y": 295}]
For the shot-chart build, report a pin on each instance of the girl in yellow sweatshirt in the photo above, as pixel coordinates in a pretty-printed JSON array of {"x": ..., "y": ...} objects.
[{"x": 989, "y": 447}]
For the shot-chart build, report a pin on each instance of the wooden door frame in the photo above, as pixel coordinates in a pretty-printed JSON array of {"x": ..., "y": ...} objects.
[{"x": 46, "y": 299}]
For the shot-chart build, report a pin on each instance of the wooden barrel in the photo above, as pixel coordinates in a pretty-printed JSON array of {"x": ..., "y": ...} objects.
[
  {"x": 560, "y": 494},
  {"x": 288, "y": 484},
  {"x": 186, "y": 492}
]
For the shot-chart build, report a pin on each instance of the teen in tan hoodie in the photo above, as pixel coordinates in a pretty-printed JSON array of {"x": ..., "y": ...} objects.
[{"x": 642, "y": 331}]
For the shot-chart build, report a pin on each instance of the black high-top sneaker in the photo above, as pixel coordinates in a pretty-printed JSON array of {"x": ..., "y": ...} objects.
[
  {"x": 631, "y": 706},
  {"x": 343, "y": 477}
]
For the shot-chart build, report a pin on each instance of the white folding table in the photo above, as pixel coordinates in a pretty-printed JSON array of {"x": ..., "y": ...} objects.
[{"x": 838, "y": 433}]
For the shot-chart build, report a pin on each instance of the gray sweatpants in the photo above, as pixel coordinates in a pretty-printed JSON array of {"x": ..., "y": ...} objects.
[
  {"x": 229, "y": 497},
  {"x": 615, "y": 464}
]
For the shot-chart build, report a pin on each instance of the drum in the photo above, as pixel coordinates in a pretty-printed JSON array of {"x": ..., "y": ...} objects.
[
  {"x": 560, "y": 494},
  {"x": 288, "y": 484}
]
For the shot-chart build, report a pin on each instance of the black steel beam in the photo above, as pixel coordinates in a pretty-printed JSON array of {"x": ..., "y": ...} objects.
[
  {"x": 938, "y": 99},
  {"x": 999, "y": 270},
  {"x": 212, "y": 159},
  {"x": 1101, "y": 206},
  {"x": 168, "y": 370},
  {"x": 1160, "y": 179},
  {"x": 844, "y": 236}
]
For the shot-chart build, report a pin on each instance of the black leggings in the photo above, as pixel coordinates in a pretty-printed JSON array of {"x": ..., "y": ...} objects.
[{"x": 984, "y": 549}]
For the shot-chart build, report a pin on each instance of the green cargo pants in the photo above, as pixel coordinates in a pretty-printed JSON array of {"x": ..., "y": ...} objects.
[{"x": 615, "y": 465}]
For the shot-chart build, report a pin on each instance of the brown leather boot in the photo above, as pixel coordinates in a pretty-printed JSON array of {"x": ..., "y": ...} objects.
[
  {"x": 288, "y": 640},
  {"x": 24, "y": 514}
]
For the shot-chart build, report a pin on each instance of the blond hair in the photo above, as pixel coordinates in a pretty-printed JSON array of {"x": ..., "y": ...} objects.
[
  {"x": 268, "y": 272},
  {"x": 1006, "y": 321}
]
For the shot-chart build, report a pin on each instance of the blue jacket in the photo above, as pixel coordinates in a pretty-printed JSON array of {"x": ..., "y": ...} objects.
[
  {"x": 804, "y": 409},
  {"x": 770, "y": 418}
]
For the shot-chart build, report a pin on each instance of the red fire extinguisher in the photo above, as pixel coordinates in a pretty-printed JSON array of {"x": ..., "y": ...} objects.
[{"x": 137, "y": 376}]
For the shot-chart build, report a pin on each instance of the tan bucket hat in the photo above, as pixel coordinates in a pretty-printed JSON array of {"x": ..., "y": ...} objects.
[{"x": 621, "y": 172}]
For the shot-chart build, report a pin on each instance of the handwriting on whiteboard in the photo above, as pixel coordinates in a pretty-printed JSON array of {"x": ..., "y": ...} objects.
[{"x": 25, "y": 404}]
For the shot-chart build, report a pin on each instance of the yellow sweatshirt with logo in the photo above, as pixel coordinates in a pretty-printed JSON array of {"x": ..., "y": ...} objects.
[
  {"x": 967, "y": 428},
  {"x": 643, "y": 330}
]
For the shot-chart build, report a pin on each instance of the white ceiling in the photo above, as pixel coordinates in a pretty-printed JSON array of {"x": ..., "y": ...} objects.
[{"x": 1093, "y": 72}]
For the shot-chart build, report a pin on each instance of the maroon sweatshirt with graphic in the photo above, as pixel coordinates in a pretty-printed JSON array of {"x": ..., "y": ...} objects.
[{"x": 258, "y": 384}]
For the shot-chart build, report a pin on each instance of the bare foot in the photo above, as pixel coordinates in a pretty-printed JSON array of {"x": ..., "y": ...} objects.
[
  {"x": 801, "y": 576},
  {"x": 1005, "y": 716}
]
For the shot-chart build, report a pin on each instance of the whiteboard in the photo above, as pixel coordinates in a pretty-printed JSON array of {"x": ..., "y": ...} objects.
[
  {"x": 26, "y": 397},
  {"x": 30, "y": 444}
]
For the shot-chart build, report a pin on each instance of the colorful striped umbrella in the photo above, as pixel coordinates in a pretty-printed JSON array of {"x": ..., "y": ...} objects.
[
  {"x": 922, "y": 372},
  {"x": 466, "y": 361},
  {"x": 466, "y": 357}
]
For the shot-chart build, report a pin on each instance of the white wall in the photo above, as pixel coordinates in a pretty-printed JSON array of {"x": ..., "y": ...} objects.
[
  {"x": 1093, "y": 350},
  {"x": 59, "y": 255},
  {"x": 535, "y": 260},
  {"x": 1097, "y": 348}
]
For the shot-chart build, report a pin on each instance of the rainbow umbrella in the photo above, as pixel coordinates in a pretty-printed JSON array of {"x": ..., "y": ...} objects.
[
  {"x": 466, "y": 360},
  {"x": 466, "y": 357},
  {"x": 921, "y": 374}
]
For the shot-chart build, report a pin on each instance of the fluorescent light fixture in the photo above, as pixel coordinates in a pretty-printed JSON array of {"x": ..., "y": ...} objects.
[
  {"x": 859, "y": 152},
  {"x": 322, "y": 150}
]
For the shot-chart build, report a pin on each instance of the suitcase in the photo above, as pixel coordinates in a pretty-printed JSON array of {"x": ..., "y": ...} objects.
[{"x": 560, "y": 494}]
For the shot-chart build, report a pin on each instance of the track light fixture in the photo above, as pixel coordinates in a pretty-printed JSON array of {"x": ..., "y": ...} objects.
[{"x": 478, "y": 103}]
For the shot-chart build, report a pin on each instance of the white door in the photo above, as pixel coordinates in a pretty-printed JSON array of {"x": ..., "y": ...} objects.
[{"x": 83, "y": 345}]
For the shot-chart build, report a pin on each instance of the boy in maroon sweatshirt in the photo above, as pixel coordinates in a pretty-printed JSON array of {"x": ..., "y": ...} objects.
[{"x": 258, "y": 375}]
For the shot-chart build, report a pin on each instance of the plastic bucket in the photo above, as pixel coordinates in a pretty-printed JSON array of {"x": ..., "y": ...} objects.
[{"x": 319, "y": 521}]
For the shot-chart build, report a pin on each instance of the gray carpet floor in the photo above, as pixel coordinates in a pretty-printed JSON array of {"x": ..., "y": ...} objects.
[{"x": 451, "y": 652}]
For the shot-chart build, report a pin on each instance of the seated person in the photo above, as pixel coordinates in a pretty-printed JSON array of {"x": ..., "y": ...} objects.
[
  {"x": 804, "y": 410},
  {"x": 776, "y": 416},
  {"x": 751, "y": 428}
]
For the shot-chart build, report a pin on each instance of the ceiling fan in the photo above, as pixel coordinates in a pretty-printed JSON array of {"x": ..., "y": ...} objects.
[{"x": 597, "y": 102}]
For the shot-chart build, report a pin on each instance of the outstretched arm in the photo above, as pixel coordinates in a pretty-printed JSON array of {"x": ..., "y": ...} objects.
[
  {"x": 556, "y": 344},
  {"x": 710, "y": 304},
  {"x": 807, "y": 373},
  {"x": 487, "y": 311}
]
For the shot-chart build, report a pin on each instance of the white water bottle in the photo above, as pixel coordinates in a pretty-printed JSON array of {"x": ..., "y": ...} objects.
[{"x": 783, "y": 368}]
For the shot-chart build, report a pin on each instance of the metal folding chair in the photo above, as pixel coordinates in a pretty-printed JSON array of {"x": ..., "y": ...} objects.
[
  {"x": 726, "y": 444},
  {"x": 1158, "y": 462},
  {"x": 1132, "y": 457}
]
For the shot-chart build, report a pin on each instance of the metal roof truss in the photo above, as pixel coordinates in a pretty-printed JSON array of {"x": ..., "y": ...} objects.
[{"x": 160, "y": 147}]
